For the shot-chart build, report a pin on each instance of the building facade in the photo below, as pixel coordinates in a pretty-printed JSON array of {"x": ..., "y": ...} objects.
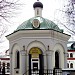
[
  {"x": 38, "y": 44},
  {"x": 5, "y": 63},
  {"x": 71, "y": 56}
]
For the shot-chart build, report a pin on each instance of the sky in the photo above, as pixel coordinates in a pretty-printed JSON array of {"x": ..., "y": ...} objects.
[{"x": 50, "y": 11}]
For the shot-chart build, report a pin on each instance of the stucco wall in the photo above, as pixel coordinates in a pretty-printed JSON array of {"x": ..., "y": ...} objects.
[{"x": 41, "y": 41}]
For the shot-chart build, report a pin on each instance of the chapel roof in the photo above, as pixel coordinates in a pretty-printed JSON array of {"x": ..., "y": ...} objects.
[{"x": 44, "y": 24}]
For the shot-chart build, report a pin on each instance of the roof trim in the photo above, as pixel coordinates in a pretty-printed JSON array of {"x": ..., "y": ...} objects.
[{"x": 36, "y": 29}]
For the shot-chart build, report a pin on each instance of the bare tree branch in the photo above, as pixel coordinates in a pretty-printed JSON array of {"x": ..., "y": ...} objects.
[
  {"x": 70, "y": 16},
  {"x": 7, "y": 10}
]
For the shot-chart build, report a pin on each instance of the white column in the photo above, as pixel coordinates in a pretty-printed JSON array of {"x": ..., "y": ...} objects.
[
  {"x": 45, "y": 63},
  {"x": 23, "y": 61},
  {"x": 65, "y": 60},
  {"x": 49, "y": 59},
  {"x": 10, "y": 63}
]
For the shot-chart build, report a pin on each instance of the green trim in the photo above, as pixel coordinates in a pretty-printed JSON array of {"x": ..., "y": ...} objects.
[{"x": 69, "y": 48}]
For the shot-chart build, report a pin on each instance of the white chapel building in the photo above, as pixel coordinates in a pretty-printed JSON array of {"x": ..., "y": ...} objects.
[{"x": 38, "y": 44}]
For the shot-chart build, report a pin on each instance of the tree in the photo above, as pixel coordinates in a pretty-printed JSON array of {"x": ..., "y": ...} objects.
[
  {"x": 7, "y": 10},
  {"x": 69, "y": 13}
]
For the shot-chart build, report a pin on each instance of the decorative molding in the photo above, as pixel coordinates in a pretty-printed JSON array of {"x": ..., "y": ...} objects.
[
  {"x": 49, "y": 52},
  {"x": 40, "y": 33}
]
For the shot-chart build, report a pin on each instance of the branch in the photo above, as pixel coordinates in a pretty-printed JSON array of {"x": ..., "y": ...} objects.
[
  {"x": 65, "y": 26},
  {"x": 7, "y": 10}
]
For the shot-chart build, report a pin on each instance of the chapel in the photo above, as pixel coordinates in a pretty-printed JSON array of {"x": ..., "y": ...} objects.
[{"x": 38, "y": 45}]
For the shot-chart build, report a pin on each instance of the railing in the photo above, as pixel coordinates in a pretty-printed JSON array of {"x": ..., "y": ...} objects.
[
  {"x": 44, "y": 72},
  {"x": 4, "y": 71}
]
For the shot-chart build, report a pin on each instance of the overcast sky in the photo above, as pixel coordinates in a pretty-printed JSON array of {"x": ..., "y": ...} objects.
[{"x": 50, "y": 11}]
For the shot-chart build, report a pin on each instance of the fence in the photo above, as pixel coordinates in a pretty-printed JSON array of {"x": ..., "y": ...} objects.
[{"x": 44, "y": 72}]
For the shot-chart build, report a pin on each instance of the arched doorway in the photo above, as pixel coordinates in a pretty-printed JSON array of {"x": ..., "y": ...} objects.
[
  {"x": 56, "y": 59},
  {"x": 36, "y": 62}
]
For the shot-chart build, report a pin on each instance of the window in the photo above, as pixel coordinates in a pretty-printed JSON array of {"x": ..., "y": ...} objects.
[
  {"x": 3, "y": 64},
  {"x": 56, "y": 59},
  {"x": 3, "y": 68},
  {"x": 68, "y": 74},
  {"x": 67, "y": 65},
  {"x": 37, "y": 11},
  {"x": 17, "y": 59},
  {"x": 67, "y": 55},
  {"x": 71, "y": 65},
  {"x": 8, "y": 67},
  {"x": 0, "y": 67},
  {"x": 71, "y": 55}
]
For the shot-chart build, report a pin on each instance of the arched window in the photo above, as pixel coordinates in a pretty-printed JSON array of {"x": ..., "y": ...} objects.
[
  {"x": 68, "y": 74},
  {"x": 37, "y": 11},
  {"x": 8, "y": 67},
  {"x": 67, "y": 55},
  {"x": 67, "y": 65},
  {"x": 3, "y": 68},
  {"x": 3, "y": 64},
  {"x": 71, "y": 65},
  {"x": 71, "y": 55},
  {"x": 17, "y": 59},
  {"x": 56, "y": 59}
]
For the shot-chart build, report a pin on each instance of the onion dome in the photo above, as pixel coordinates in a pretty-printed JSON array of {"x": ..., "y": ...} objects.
[
  {"x": 38, "y": 4},
  {"x": 72, "y": 47}
]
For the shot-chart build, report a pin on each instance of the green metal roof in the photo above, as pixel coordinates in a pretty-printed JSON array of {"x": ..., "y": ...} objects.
[
  {"x": 72, "y": 47},
  {"x": 69, "y": 48},
  {"x": 44, "y": 24}
]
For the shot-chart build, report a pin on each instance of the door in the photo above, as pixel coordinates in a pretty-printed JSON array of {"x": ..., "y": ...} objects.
[
  {"x": 36, "y": 63},
  {"x": 35, "y": 66}
]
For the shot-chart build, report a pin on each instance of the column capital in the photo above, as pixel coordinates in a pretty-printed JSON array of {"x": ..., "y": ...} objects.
[
  {"x": 23, "y": 52},
  {"x": 49, "y": 52}
]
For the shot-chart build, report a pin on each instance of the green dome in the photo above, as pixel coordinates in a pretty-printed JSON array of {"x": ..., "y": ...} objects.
[{"x": 44, "y": 24}]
